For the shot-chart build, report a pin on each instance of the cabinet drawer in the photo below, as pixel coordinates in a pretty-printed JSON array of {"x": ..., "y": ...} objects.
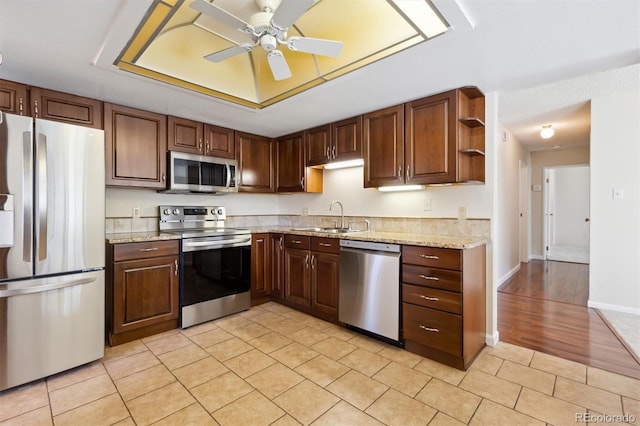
[
  {"x": 144, "y": 250},
  {"x": 432, "y": 298},
  {"x": 297, "y": 241},
  {"x": 431, "y": 256},
  {"x": 325, "y": 245},
  {"x": 436, "y": 329},
  {"x": 431, "y": 277}
]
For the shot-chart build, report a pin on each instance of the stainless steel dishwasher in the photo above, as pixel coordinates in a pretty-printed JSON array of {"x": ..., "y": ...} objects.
[{"x": 369, "y": 293}]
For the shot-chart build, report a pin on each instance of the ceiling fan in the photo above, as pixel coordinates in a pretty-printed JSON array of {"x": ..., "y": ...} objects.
[{"x": 268, "y": 28}]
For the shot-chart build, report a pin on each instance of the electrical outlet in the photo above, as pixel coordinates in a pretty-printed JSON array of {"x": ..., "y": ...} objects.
[
  {"x": 135, "y": 212},
  {"x": 305, "y": 211},
  {"x": 427, "y": 204},
  {"x": 462, "y": 212}
]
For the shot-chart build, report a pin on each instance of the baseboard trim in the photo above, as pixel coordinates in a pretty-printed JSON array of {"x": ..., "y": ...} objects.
[
  {"x": 508, "y": 275},
  {"x": 492, "y": 339},
  {"x": 617, "y": 308},
  {"x": 536, "y": 257}
]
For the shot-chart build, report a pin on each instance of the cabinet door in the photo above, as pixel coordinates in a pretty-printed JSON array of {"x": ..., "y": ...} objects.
[
  {"x": 136, "y": 147},
  {"x": 318, "y": 145},
  {"x": 219, "y": 141},
  {"x": 277, "y": 265},
  {"x": 66, "y": 108},
  {"x": 184, "y": 135},
  {"x": 260, "y": 266},
  {"x": 255, "y": 163},
  {"x": 324, "y": 284},
  {"x": 430, "y": 139},
  {"x": 145, "y": 292},
  {"x": 296, "y": 276},
  {"x": 290, "y": 163},
  {"x": 383, "y": 136},
  {"x": 13, "y": 98},
  {"x": 346, "y": 136}
]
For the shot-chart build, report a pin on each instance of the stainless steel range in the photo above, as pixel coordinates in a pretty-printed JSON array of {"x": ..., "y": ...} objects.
[{"x": 215, "y": 271}]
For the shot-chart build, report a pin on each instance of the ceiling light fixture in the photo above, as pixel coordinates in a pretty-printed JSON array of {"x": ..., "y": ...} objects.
[
  {"x": 400, "y": 188},
  {"x": 546, "y": 132},
  {"x": 344, "y": 164}
]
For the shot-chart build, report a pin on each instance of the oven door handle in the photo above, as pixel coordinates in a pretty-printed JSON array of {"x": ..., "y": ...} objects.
[{"x": 206, "y": 245}]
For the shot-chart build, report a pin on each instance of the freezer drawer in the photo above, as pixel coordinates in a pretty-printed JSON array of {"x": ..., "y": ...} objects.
[{"x": 50, "y": 325}]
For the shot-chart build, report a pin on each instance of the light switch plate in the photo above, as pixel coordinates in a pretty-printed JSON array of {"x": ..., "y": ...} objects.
[
  {"x": 427, "y": 204},
  {"x": 618, "y": 193},
  {"x": 135, "y": 212}
]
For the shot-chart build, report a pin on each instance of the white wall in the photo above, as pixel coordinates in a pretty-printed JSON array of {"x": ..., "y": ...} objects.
[
  {"x": 614, "y": 273},
  {"x": 510, "y": 154}
]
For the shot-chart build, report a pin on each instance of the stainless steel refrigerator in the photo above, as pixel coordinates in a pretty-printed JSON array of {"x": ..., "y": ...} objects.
[{"x": 52, "y": 249}]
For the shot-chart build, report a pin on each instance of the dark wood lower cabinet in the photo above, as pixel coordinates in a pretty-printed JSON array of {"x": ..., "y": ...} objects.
[
  {"x": 311, "y": 275},
  {"x": 260, "y": 268},
  {"x": 142, "y": 290},
  {"x": 443, "y": 303}
]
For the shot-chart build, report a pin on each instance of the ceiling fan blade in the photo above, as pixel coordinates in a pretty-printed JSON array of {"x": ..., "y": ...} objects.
[
  {"x": 215, "y": 12},
  {"x": 229, "y": 53},
  {"x": 316, "y": 46},
  {"x": 288, "y": 12},
  {"x": 278, "y": 65}
]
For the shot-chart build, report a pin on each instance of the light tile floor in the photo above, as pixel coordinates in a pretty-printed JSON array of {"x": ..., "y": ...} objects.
[{"x": 272, "y": 365}]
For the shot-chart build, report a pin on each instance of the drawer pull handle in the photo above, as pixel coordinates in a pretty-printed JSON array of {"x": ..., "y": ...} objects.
[
  {"x": 425, "y": 277},
  {"x": 296, "y": 241},
  {"x": 433, "y": 299},
  {"x": 325, "y": 245},
  {"x": 150, "y": 249},
  {"x": 428, "y": 256},
  {"x": 432, "y": 330}
]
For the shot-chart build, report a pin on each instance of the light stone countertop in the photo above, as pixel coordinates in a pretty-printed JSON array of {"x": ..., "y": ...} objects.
[
  {"x": 139, "y": 237},
  {"x": 426, "y": 240}
]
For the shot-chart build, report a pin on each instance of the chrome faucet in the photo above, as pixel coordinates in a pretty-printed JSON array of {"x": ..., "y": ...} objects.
[{"x": 341, "y": 211}]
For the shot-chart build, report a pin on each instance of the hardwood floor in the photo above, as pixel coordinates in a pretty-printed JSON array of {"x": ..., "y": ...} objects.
[
  {"x": 526, "y": 317},
  {"x": 557, "y": 281}
]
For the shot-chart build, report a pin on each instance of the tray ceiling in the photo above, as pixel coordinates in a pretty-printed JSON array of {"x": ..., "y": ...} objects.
[{"x": 171, "y": 41}]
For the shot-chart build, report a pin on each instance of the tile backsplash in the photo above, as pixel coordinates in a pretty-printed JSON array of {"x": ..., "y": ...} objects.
[{"x": 438, "y": 226}]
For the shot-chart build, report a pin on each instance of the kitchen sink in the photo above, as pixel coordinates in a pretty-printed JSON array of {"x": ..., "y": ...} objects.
[{"x": 327, "y": 230}]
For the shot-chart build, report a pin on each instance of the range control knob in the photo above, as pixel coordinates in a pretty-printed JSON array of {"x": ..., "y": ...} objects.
[
  {"x": 220, "y": 211},
  {"x": 213, "y": 211},
  {"x": 166, "y": 212},
  {"x": 176, "y": 211}
]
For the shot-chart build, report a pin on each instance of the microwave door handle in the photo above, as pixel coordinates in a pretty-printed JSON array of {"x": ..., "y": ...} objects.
[{"x": 228, "y": 175}]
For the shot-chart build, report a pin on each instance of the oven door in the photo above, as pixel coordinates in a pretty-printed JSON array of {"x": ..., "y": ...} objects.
[{"x": 215, "y": 268}]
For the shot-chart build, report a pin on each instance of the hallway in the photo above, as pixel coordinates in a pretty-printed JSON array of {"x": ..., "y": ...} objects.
[{"x": 543, "y": 307}]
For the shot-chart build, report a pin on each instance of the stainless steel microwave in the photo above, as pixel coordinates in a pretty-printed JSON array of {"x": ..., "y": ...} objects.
[{"x": 200, "y": 173}]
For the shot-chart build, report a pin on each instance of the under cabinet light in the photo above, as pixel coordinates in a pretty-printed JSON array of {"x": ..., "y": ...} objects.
[
  {"x": 400, "y": 188},
  {"x": 344, "y": 164}
]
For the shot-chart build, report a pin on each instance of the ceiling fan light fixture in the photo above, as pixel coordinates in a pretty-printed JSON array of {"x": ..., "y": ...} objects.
[{"x": 547, "y": 131}]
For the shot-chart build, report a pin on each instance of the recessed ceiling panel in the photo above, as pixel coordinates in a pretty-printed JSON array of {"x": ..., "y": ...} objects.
[{"x": 173, "y": 40}]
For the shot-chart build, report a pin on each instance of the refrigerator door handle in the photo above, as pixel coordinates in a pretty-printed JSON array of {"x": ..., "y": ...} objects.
[
  {"x": 27, "y": 196},
  {"x": 42, "y": 288},
  {"x": 41, "y": 190}
]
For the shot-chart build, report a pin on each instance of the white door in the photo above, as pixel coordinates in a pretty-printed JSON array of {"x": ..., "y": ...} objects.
[{"x": 567, "y": 214}]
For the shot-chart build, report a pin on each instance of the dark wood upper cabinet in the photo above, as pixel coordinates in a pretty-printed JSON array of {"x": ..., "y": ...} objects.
[
  {"x": 437, "y": 139},
  {"x": 14, "y": 98},
  {"x": 318, "y": 145},
  {"x": 292, "y": 175},
  {"x": 339, "y": 141},
  {"x": 136, "y": 147},
  {"x": 383, "y": 147},
  {"x": 346, "y": 139},
  {"x": 255, "y": 163},
  {"x": 219, "y": 141},
  {"x": 66, "y": 108},
  {"x": 184, "y": 135},
  {"x": 430, "y": 140}
]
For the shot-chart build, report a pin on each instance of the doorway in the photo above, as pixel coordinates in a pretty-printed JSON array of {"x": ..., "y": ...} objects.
[{"x": 566, "y": 210}]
